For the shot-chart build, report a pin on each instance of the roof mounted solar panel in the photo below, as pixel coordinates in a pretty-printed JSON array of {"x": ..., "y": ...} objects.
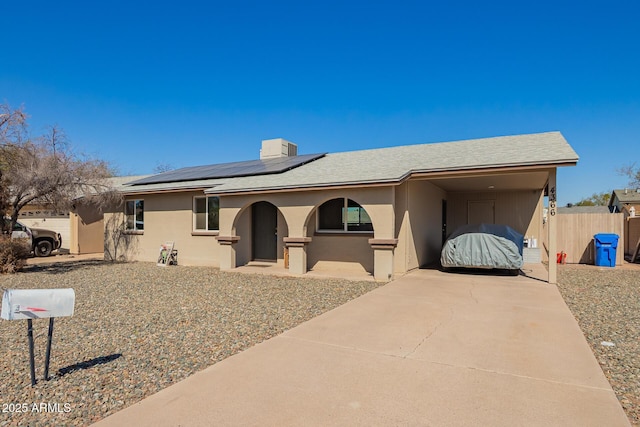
[{"x": 229, "y": 170}]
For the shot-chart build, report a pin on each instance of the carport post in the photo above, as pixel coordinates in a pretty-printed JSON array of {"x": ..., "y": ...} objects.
[{"x": 551, "y": 227}]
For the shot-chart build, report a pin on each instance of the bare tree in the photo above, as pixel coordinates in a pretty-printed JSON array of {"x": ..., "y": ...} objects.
[
  {"x": 118, "y": 244},
  {"x": 12, "y": 124},
  {"x": 44, "y": 170},
  {"x": 633, "y": 173},
  {"x": 12, "y": 130},
  {"x": 163, "y": 167}
]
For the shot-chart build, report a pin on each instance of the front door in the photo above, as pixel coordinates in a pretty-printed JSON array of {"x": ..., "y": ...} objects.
[{"x": 264, "y": 230}]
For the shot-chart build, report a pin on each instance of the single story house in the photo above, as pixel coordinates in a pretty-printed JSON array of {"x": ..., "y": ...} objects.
[
  {"x": 86, "y": 222},
  {"x": 384, "y": 211},
  {"x": 626, "y": 201}
]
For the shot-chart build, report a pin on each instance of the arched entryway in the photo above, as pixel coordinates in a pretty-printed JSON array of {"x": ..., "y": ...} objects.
[{"x": 341, "y": 229}]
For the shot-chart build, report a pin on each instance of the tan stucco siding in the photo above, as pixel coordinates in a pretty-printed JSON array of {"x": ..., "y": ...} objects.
[
  {"x": 343, "y": 252},
  {"x": 418, "y": 224},
  {"x": 521, "y": 210},
  {"x": 87, "y": 230},
  {"x": 169, "y": 217},
  {"x": 425, "y": 210},
  {"x": 296, "y": 218},
  {"x": 297, "y": 208}
]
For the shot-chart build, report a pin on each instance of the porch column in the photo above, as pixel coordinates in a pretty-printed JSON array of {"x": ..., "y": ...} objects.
[
  {"x": 297, "y": 247},
  {"x": 383, "y": 258},
  {"x": 227, "y": 251},
  {"x": 551, "y": 227}
]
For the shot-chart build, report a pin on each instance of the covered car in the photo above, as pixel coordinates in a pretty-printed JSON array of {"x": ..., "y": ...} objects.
[{"x": 484, "y": 246}]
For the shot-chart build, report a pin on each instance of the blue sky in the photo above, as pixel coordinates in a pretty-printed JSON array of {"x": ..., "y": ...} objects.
[{"x": 143, "y": 84}]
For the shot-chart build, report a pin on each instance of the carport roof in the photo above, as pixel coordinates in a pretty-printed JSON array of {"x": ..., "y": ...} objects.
[
  {"x": 393, "y": 164},
  {"x": 389, "y": 165}
]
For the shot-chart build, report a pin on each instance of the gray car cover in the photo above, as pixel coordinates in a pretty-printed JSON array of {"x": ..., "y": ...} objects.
[{"x": 483, "y": 246}]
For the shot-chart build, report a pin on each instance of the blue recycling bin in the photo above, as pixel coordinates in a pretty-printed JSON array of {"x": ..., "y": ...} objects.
[{"x": 606, "y": 248}]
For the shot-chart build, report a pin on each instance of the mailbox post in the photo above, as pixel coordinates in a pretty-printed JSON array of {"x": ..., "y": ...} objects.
[{"x": 29, "y": 304}]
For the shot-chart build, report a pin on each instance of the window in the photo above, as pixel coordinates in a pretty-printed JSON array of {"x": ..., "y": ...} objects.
[
  {"x": 343, "y": 215},
  {"x": 134, "y": 215},
  {"x": 206, "y": 213}
]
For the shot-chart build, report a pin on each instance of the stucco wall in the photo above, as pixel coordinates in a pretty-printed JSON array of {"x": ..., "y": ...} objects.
[
  {"x": 87, "y": 230},
  {"x": 168, "y": 217},
  {"x": 346, "y": 252},
  {"x": 296, "y": 218},
  {"x": 297, "y": 208},
  {"x": 521, "y": 210},
  {"x": 418, "y": 224}
]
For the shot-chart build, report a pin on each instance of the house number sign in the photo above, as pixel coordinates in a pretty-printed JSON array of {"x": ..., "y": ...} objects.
[{"x": 552, "y": 201}]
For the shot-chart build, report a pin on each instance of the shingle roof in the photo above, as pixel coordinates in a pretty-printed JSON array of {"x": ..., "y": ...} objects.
[
  {"x": 395, "y": 163},
  {"x": 389, "y": 165},
  {"x": 583, "y": 209},
  {"x": 627, "y": 195}
]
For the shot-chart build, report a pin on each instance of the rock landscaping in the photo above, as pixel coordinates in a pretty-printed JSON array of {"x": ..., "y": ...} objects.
[
  {"x": 606, "y": 304},
  {"x": 138, "y": 328}
]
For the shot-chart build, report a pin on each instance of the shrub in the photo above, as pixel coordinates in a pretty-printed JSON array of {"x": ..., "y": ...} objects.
[{"x": 13, "y": 254}]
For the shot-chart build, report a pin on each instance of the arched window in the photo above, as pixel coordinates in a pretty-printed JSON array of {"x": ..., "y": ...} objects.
[{"x": 343, "y": 216}]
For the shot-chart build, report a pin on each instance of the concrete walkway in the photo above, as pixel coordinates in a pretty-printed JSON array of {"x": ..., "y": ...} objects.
[{"x": 429, "y": 349}]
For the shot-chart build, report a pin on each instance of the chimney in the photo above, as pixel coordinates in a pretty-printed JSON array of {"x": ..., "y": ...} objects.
[{"x": 278, "y": 147}]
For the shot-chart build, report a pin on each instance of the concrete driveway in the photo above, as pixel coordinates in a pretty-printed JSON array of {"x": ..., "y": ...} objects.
[{"x": 430, "y": 348}]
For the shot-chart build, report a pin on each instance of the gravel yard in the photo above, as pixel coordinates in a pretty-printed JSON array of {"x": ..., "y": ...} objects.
[
  {"x": 139, "y": 328},
  {"x": 606, "y": 303}
]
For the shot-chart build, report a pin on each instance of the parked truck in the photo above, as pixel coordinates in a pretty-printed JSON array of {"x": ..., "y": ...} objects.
[{"x": 42, "y": 241}]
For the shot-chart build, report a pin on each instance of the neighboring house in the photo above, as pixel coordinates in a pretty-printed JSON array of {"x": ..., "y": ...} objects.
[
  {"x": 385, "y": 211},
  {"x": 627, "y": 201},
  {"x": 34, "y": 216},
  {"x": 86, "y": 222},
  {"x": 624, "y": 200}
]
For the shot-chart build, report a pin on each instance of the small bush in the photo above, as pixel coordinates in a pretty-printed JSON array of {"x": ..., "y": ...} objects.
[{"x": 13, "y": 254}]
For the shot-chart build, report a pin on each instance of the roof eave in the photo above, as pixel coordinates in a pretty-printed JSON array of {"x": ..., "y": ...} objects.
[{"x": 391, "y": 181}]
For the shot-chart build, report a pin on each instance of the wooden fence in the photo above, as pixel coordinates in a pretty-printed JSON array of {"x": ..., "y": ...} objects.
[
  {"x": 576, "y": 231},
  {"x": 632, "y": 234}
]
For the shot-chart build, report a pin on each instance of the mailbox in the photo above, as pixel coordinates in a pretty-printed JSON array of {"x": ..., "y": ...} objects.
[
  {"x": 19, "y": 304},
  {"x": 29, "y": 304}
]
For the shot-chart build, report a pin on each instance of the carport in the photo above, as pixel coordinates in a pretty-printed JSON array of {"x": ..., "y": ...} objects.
[{"x": 523, "y": 199}]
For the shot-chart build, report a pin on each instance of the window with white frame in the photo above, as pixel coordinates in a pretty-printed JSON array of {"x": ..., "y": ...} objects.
[
  {"x": 134, "y": 215},
  {"x": 343, "y": 216},
  {"x": 206, "y": 213}
]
